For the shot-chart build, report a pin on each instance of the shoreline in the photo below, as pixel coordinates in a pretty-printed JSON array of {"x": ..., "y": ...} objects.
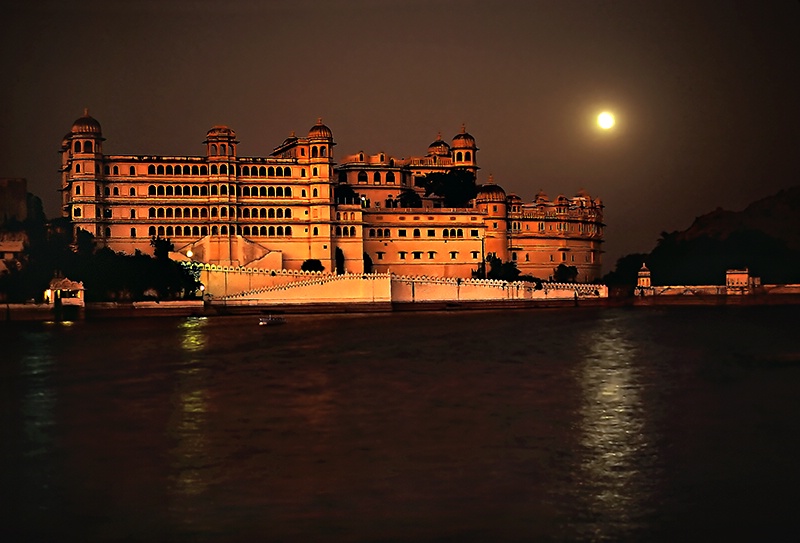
[{"x": 104, "y": 310}]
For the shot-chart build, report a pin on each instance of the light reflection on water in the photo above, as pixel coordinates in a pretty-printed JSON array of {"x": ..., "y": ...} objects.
[{"x": 618, "y": 454}]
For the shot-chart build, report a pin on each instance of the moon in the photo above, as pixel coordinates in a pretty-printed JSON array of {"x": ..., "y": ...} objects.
[{"x": 605, "y": 120}]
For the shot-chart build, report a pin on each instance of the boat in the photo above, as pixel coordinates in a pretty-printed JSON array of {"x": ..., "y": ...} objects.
[{"x": 271, "y": 320}]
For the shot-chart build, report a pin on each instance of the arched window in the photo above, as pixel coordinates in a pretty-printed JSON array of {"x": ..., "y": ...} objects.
[
  {"x": 262, "y": 191},
  {"x": 160, "y": 212},
  {"x": 214, "y": 169},
  {"x": 302, "y": 172},
  {"x": 314, "y": 172},
  {"x": 178, "y": 190},
  {"x": 133, "y": 232},
  {"x": 246, "y": 231},
  {"x": 179, "y": 230},
  {"x": 262, "y": 231},
  {"x": 76, "y": 212},
  {"x": 271, "y": 231},
  {"x": 376, "y": 178},
  {"x": 132, "y": 171},
  {"x": 467, "y": 156},
  {"x": 195, "y": 170},
  {"x": 195, "y": 213},
  {"x": 169, "y": 213},
  {"x": 338, "y": 230},
  {"x": 170, "y": 232},
  {"x": 322, "y": 151},
  {"x": 386, "y": 232},
  {"x": 262, "y": 171},
  {"x": 196, "y": 231},
  {"x": 213, "y": 212},
  {"x": 151, "y": 212},
  {"x": 77, "y": 148},
  {"x": 169, "y": 191},
  {"x": 213, "y": 190},
  {"x": 132, "y": 192},
  {"x": 160, "y": 190},
  {"x": 178, "y": 213},
  {"x": 169, "y": 170},
  {"x": 389, "y": 177},
  {"x": 314, "y": 194},
  {"x": 460, "y": 233},
  {"x": 223, "y": 170},
  {"x": 116, "y": 170},
  {"x": 279, "y": 213},
  {"x": 204, "y": 191},
  {"x": 314, "y": 152},
  {"x": 245, "y": 213},
  {"x": 223, "y": 230},
  {"x": 223, "y": 149},
  {"x": 279, "y": 231},
  {"x": 372, "y": 232},
  {"x": 271, "y": 191},
  {"x": 445, "y": 233},
  {"x": 116, "y": 191},
  {"x": 77, "y": 190},
  {"x": 271, "y": 172},
  {"x": 458, "y": 156},
  {"x": 271, "y": 213},
  {"x": 223, "y": 212},
  {"x": 151, "y": 231},
  {"x": 203, "y": 213},
  {"x": 303, "y": 193},
  {"x": 160, "y": 169},
  {"x": 288, "y": 231},
  {"x": 416, "y": 232},
  {"x": 77, "y": 168},
  {"x": 315, "y": 231},
  {"x": 195, "y": 191},
  {"x": 203, "y": 170},
  {"x": 287, "y": 171},
  {"x": 287, "y": 213},
  {"x": 186, "y": 170},
  {"x": 223, "y": 189},
  {"x": 213, "y": 149},
  {"x": 246, "y": 171},
  {"x": 133, "y": 213},
  {"x": 452, "y": 232},
  {"x": 160, "y": 230},
  {"x": 279, "y": 191},
  {"x": 245, "y": 191},
  {"x": 352, "y": 231},
  {"x": 352, "y": 215},
  {"x": 362, "y": 176},
  {"x": 187, "y": 212},
  {"x": 151, "y": 170},
  {"x": 214, "y": 231},
  {"x": 287, "y": 191}
]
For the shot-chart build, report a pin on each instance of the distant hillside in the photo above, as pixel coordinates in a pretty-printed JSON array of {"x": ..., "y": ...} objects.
[
  {"x": 777, "y": 216},
  {"x": 764, "y": 237}
]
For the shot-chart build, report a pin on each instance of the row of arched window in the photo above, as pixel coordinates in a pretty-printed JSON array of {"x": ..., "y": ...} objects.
[
  {"x": 199, "y": 231},
  {"x": 376, "y": 177},
  {"x": 86, "y": 146},
  {"x": 202, "y": 213},
  {"x": 345, "y": 231},
  {"x": 446, "y": 233},
  {"x": 467, "y": 156},
  {"x": 215, "y": 169},
  {"x": 220, "y": 190},
  {"x": 344, "y": 216}
]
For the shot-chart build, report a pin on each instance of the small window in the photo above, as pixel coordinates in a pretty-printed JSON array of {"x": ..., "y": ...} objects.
[
  {"x": 133, "y": 232},
  {"x": 77, "y": 190},
  {"x": 416, "y": 233},
  {"x": 431, "y": 233},
  {"x": 401, "y": 233},
  {"x": 431, "y": 255},
  {"x": 473, "y": 233},
  {"x": 417, "y": 255},
  {"x": 402, "y": 255},
  {"x": 453, "y": 255},
  {"x": 474, "y": 255}
]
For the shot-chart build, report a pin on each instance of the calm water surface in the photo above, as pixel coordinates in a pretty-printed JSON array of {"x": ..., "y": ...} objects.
[{"x": 671, "y": 424}]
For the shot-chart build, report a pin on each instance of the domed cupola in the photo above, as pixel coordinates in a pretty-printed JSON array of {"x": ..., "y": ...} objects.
[
  {"x": 439, "y": 147},
  {"x": 221, "y": 142},
  {"x": 319, "y": 131},
  {"x": 490, "y": 192},
  {"x": 86, "y": 126},
  {"x": 464, "y": 150}
]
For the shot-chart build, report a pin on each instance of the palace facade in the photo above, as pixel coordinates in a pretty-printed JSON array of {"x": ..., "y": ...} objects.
[{"x": 296, "y": 204}]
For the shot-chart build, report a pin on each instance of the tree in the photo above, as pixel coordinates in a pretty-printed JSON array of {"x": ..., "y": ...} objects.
[
  {"x": 344, "y": 194},
  {"x": 565, "y": 274},
  {"x": 312, "y": 265},
  {"x": 367, "y": 263},
  {"x": 456, "y": 187},
  {"x": 409, "y": 198}
]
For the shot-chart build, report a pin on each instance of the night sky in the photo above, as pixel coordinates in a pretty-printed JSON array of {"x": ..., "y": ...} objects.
[{"x": 706, "y": 94}]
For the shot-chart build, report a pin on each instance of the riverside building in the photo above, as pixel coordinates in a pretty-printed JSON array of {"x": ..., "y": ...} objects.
[{"x": 277, "y": 211}]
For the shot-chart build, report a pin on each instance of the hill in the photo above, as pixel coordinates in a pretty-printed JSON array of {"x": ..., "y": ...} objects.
[{"x": 764, "y": 237}]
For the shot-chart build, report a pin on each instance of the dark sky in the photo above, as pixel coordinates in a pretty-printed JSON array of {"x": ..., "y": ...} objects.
[{"x": 705, "y": 93}]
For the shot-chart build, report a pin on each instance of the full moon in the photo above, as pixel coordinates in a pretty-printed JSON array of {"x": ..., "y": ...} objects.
[{"x": 605, "y": 120}]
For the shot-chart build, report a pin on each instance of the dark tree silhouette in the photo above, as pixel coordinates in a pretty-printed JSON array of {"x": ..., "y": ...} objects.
[
  {"x": 312, "y": 265},
  {"x": 456, "y": 187}
]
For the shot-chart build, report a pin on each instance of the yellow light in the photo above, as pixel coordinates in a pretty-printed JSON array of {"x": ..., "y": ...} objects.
[
  {"x": 605, "y": 120},
  {"x": 189, "y": 253}
]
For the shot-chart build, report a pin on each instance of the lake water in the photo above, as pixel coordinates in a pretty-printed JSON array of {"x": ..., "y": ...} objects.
[{"x": 638, "y": 424}]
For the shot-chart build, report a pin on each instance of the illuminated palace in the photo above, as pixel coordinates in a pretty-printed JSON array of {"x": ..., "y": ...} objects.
[{"x": 279, "y": 210}]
